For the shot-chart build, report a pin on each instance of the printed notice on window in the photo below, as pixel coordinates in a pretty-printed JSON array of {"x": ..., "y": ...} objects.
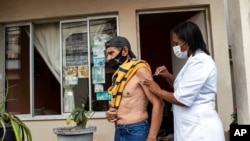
[
  {"x": 98, "y": 74},
  {"x": 76, "y": 49},
  {"x": 83, "y": 71},
  {"x": 98, "y": 57},
  {"x": 103, "y": 95},
  {"x": 71, "y": 80}
]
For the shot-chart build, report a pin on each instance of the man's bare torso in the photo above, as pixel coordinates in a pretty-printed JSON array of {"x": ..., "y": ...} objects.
[{"x": 133, "y": 106}]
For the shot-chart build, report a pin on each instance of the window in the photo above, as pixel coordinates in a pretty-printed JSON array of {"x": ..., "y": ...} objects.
[
  {"x": 17, "y": 60},
  {"x": 53, "y": 67}
]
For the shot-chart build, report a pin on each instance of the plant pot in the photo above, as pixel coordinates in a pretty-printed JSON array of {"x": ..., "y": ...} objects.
[
  {"x": 70, "y": 134},
  {"x": 9, "y": 135}
]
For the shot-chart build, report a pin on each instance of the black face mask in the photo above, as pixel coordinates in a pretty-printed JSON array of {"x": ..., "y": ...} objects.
[{"x": 117, "y": 61}]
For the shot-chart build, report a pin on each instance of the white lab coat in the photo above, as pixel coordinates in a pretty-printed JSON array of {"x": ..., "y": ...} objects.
[{"x": 195, "y": 86}]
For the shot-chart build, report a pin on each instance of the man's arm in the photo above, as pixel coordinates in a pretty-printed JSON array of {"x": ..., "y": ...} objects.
[{"x": 157, "y": 103}]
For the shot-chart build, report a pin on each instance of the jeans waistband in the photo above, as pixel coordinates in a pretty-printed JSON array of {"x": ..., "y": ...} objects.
[{"x": 132, "y": 124}]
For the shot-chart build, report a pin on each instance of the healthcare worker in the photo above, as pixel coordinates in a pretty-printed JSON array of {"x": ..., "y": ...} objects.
[{"x": 194, "y": 96}]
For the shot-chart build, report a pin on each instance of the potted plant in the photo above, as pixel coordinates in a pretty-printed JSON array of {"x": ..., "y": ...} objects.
[
  {"x": 12, "y": 127},
  {"x": 79, "y": 132}
]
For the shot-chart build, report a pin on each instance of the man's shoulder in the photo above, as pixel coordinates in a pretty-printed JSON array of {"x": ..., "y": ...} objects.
[
  {"x": 137, "y": 61},
  {"x": 143, "y": 71}
]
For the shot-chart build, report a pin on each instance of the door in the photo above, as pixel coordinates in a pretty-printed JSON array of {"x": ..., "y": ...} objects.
[
  {"x": 199, "y": 19},
  {"x": 156, "y": 48}
]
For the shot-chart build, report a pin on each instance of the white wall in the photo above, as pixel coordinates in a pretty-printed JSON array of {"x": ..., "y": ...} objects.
[{"x": 239, "y": 34}]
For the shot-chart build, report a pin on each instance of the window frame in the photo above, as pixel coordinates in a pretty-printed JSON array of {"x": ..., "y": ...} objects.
[
  {"x": 31, "y": 115},
  {"x": 97, "y": 114},
  {"x": 31, "y": 64}
]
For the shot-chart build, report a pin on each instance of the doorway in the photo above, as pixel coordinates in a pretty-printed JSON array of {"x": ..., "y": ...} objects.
[{"x": 156, "y": 48}]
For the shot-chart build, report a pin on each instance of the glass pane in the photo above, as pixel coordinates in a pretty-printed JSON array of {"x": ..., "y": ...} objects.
[
  {"x": 2, "y": 57},
  {"x": 101, "y": 30},
  {"x": 75, "y": 65},
  {"x": 47, "y": 88},
  {"x": 17, "y": 58}
]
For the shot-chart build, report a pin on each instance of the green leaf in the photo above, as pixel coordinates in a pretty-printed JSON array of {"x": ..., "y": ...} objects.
[
  {"x": 16, "y": 130},
  {"x": 20, "y": 129},
  {"x": 4, "y": 129}
]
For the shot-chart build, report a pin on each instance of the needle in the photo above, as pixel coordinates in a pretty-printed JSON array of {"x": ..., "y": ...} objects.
[
  {"x": 157, "y": 73},
  {"x": 153, "y": 75}
]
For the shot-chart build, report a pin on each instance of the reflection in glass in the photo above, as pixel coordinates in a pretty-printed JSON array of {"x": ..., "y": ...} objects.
[
  {"x": 17, "y": 69},
  {"x": 86, "y": 76},
  {"x": 101, "y": 30},
  {"x": 75, "y": 64}
]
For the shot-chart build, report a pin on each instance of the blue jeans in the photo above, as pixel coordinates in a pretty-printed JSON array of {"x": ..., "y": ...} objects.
[{"x": 132, "y": 132}]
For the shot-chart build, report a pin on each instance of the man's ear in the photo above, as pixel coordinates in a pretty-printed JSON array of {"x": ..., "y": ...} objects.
[{"x": 125, "y": 51}]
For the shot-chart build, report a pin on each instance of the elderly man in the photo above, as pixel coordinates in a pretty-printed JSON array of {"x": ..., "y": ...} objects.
[{"x": 129, "y": 98}]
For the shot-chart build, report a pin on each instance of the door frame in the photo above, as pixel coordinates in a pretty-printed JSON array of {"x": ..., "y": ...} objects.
[
  {"x": 177, "y": 66},
  {"x": 171, "y": 10}
]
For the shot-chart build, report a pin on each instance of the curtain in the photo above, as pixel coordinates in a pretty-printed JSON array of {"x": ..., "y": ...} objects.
[{"x": 47, "y": 42}]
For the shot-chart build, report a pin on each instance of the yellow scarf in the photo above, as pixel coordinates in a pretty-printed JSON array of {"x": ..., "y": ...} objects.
[{"x": 122, "y": 76}]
